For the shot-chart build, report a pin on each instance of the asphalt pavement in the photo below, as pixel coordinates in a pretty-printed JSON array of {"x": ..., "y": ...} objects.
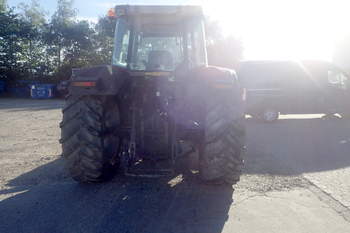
[{"x": 296, "y": 179}]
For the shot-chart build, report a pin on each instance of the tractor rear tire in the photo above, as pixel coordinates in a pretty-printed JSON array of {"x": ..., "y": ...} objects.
[
  {"x": 223, "y": 145},
  {"x": 87, "y": 137}
]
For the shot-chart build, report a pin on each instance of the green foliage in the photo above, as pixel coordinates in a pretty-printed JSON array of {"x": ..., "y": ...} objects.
[
  {"x": 222, "y": 51},
  {"x": 32, "y": 45},
  {"x": 103, "y": 40},
  {"x": 13, "y": 32},
  {"x": 2, "y": 5},
  {"x": 226, "y": 52},
  {"x": 33, "y": 13},
  {"x": 57, "y": 35}
]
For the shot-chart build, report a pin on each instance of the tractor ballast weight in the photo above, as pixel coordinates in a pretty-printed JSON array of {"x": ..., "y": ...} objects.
[{"x": 135, "y": 114}]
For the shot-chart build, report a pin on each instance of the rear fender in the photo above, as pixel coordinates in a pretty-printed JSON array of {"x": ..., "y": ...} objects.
[
  {"x": 99, "y": 80},
  {"x": 210, "y": 82},
  {"x": 207, "y": 84}
]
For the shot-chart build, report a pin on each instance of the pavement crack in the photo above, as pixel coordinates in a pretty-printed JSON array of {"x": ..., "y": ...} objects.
[
  {"x": 249, "y": 198},
  {"x": 328, "y": 199}
]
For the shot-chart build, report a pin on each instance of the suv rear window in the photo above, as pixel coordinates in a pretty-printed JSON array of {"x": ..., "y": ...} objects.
[{"x": 269, "y": 75}]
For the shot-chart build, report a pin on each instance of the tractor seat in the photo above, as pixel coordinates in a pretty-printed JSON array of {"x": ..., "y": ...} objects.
[{"x": 160, "y": 59}]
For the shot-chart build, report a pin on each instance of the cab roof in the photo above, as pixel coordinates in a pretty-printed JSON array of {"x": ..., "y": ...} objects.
[{"x": 147, "y": 10}]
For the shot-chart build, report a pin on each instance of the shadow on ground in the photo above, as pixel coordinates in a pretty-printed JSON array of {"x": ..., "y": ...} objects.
[
  {"x": 124, "y": 205},
  {"x": 50, "y": 173},
  {"x": 45, "y": 200},
  {"x": 296, "y": 146}
]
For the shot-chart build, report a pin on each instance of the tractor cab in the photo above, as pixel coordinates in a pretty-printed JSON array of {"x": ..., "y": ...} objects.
[{"x": 159, "y": 38}]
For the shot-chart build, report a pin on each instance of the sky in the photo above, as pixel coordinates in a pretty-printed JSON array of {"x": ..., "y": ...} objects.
[{"x": 269, "y": 29}]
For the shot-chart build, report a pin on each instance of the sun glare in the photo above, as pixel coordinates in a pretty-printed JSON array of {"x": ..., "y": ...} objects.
[{"x": 283, "y": 29}]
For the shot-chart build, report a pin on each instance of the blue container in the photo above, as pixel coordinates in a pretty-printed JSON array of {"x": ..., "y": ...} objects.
[
  {"x": 42, "y": 91},
  {"x": 2, "y": 86},
  {"x": 22, "y": 88},
  {"x": 22, "y": 92}
]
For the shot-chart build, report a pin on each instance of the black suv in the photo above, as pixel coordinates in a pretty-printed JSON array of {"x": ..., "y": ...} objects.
[{"x": 290, "y": 87}]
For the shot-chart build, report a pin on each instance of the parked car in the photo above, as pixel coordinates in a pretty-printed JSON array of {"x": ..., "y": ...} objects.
[{"x": 289, "y": 87}]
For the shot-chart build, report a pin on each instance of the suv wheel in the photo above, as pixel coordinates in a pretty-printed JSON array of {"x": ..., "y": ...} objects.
[{"x": 270, "y": 115}]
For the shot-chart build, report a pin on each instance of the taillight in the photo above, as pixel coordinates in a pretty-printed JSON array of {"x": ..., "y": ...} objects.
[{"x": 83, "y": 84}]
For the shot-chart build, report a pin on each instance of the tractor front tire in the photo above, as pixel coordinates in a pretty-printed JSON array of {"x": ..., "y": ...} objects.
[
  {"x": 89, "y": 145},
  {"x": 223, "y": 144}
]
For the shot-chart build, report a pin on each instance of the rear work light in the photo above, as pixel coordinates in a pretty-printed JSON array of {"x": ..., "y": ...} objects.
[{"x": 111, "y": 13}]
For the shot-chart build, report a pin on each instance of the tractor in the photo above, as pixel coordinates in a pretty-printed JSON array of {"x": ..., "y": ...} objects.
[{"x": 158, "y": 101}]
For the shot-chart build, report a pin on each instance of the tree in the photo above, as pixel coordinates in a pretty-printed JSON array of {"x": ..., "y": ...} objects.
[
  {"x": 63, "y": 17},
  {"x": 213, "y": 31},
  {"x": 33, "y": 45},
  {"x": 33, "y": 13},
  {"x": 222, "y": 51},
  {"x": 12, "y": 32},
  {"x": 78, "y": 48},
  {"x": 2, "y": 5},
  {"x": 104, "y": 40},
  {"x": 226, "y": 52}
]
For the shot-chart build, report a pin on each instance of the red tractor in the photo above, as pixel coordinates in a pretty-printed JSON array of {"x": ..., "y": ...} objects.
[{"x": 158, "y": 93}]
